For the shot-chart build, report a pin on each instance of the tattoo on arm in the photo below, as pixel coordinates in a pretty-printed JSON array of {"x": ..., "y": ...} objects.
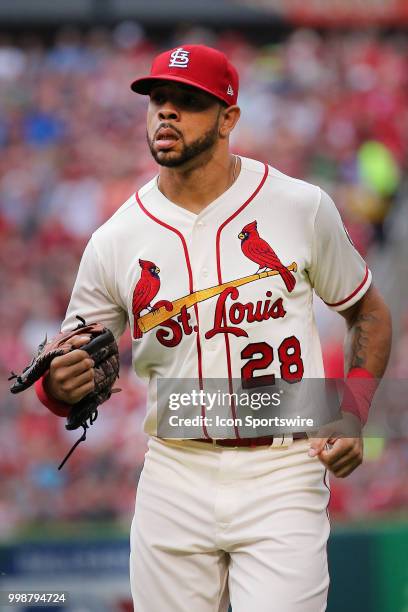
[
  {"x": 368, "y": 343},
  {"x": 360, "y": 342},
  {"x": 368, "y": 338}
]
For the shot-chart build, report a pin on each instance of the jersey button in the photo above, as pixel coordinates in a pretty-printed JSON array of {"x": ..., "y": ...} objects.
[
  {"x": 204, "y": 272},
  {"x": 200, "y": 224}
]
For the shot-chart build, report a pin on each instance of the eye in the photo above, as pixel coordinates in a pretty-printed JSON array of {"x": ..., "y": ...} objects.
[
  {"x": 189, "y": 99},
  {"x": 194, "y": 102},
  {"x": 158, "y": 97}
]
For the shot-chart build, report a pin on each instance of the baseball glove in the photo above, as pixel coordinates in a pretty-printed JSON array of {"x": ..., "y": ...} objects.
[{"x": 102, "y": 348}]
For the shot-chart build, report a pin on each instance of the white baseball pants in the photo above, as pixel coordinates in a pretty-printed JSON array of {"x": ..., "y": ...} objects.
[{"x": 214, "y": 525}]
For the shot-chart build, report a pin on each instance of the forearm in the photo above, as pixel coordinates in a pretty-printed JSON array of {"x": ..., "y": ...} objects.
[
  {"x": 368, "y": 344},
  {"x": 368, "y": 338}
]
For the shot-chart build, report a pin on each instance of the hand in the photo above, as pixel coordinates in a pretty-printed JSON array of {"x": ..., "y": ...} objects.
[
  {"x": 345, "y": 453},
  {"x": 71, "y": 376}
]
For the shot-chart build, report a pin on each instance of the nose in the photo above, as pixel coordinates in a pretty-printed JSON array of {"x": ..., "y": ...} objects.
[{"x": 169, "y": 111}]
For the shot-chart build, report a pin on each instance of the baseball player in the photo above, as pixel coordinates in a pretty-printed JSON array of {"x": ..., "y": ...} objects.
[{"x": 213, "y": 263}]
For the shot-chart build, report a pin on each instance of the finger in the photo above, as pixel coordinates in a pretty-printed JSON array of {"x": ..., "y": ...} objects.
[
  {"x": 353, "y": 456},
  {"x": 75, "y": 383},
  {"x": 79, "y": 393},
  {"x": 63, "y": 375},
  {"x": 78, "y": 341},
  {"x": 75, "y": 343},
  {"x": 319, "y": 438},
  {"x": 71, "y": 358},
  {"x": 346, "y": 470},
  {"x": 75, "y": 370},
  {"x": 342, "y": 464},
  {"x": 338, "y": 451},
  {"x": 316, "y": 446}
]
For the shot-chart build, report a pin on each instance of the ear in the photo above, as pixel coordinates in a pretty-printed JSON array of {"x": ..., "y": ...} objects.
[{"x": 228, "y": 119}]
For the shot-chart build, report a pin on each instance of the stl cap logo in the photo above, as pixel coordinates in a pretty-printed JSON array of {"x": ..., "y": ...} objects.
[
  {"x": 230, "y": 91},
  {"x": 179, "y": 58}
]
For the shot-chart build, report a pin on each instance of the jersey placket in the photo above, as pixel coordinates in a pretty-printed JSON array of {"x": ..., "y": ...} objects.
[{"x": 213, "y": 355}]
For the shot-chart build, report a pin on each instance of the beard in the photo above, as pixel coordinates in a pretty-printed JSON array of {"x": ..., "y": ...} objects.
[{"x": 188, "y": 151}]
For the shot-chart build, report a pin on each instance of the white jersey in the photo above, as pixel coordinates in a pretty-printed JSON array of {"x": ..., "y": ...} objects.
[{"x": 224, "y": 294}]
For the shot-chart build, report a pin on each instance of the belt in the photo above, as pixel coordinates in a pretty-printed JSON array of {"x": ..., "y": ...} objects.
[{"x": 250, "y": 442}]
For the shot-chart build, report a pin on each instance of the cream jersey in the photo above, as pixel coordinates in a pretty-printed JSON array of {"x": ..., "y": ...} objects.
[{"x": 224, "y": 294}]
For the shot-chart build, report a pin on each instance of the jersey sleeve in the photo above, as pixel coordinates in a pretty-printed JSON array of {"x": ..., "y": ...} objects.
[
  {"x": 94, "y": 300},
  {"x": 93, "y": 297},
  {"x": 337, "y": 272}
]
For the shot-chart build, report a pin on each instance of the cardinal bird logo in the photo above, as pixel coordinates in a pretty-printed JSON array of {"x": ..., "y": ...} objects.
[
  {"x": 259, "y": 251},
  {"x": 147, "y": 287}
]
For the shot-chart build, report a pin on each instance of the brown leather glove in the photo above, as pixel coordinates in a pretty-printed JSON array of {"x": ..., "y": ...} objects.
[{"x": 102, "y": 348}]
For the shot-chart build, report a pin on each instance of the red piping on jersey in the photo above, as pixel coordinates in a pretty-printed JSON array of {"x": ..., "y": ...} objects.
[
  {"x": 217, "y": 246},
  {"x": 352, "y": 294},
  {"x": 191, "y": 289}
]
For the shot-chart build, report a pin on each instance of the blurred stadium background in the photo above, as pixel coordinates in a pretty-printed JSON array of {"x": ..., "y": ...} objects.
[{"x": 324, "y": 94}]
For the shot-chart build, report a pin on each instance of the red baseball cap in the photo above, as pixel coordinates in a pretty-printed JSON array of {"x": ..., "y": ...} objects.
[{"x": 197, "y": 65}]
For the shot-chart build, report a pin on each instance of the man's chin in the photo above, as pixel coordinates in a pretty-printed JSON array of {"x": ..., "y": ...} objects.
[{"x": 169, "y": 159}]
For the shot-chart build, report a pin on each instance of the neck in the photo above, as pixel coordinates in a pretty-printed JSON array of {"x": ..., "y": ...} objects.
[{"x": 195, "y": 187}]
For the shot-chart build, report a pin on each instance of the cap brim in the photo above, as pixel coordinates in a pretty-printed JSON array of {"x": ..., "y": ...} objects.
[{"x": 144, "y": 85}]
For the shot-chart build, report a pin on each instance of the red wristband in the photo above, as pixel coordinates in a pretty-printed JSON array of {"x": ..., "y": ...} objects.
[
  {"x": 58, "y": 408},
  {"x": 359, "y": 389}
]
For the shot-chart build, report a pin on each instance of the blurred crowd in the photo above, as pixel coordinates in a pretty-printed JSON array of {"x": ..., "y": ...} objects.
[{"x": 331, "y": 109}]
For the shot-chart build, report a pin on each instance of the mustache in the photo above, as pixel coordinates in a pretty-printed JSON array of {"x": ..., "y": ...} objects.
[{"x": 168, "y": 126}]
